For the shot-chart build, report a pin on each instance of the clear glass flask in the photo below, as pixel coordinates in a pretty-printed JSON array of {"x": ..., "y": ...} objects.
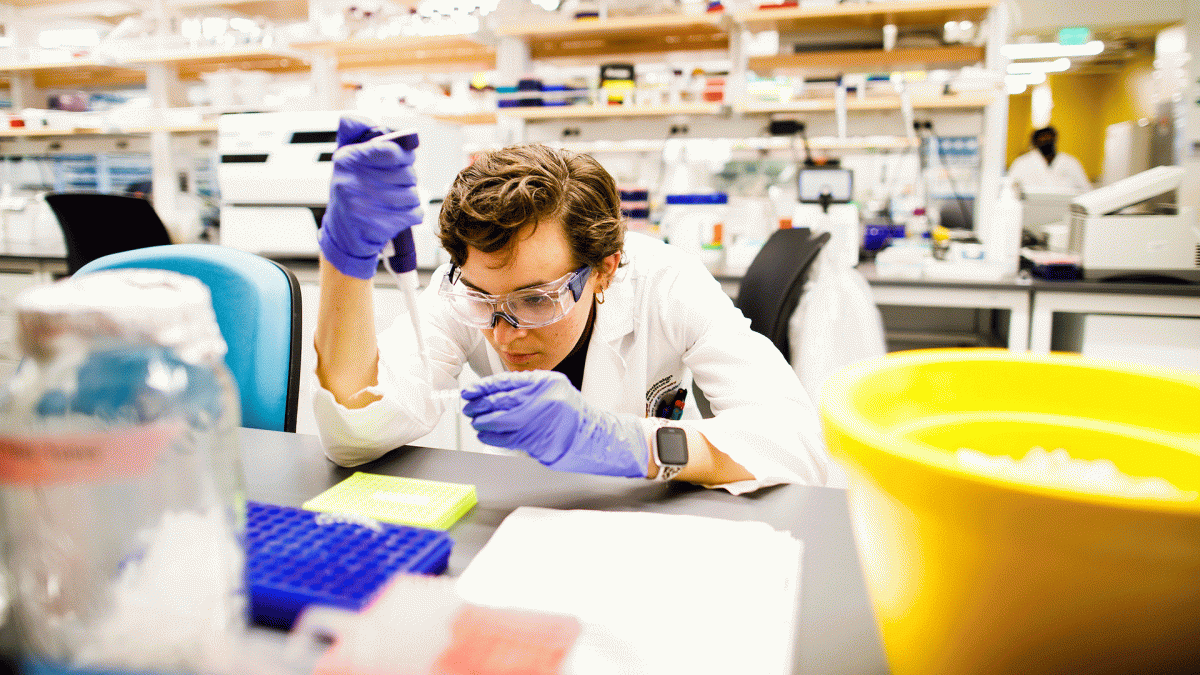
[{"x": 120, "y": 478}]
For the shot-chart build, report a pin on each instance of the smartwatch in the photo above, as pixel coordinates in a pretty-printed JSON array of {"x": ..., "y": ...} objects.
[{"x": 670, "y": 451}]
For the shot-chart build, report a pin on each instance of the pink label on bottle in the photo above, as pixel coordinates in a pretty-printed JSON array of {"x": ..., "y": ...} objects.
[{"x": 72, "y": 458}]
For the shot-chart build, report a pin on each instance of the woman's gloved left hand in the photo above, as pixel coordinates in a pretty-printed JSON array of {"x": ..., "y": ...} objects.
[{"x": 541, "y": 413}]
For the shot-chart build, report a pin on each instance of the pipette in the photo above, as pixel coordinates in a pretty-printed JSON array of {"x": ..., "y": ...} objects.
[{"x": 400, "y": 256}]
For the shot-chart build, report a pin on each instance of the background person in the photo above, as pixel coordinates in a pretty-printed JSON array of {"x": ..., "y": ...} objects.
[{"x": 1044, "y": 168}]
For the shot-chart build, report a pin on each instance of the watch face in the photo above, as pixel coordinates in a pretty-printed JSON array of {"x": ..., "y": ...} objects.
[{"x": 672, "y": 446}]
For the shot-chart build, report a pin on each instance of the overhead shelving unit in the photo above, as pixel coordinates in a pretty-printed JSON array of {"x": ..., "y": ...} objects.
[
  {"x": 971, "y": 101},
  {"x": 191, "y": 64},
  {"x": 75, "y": 74},
  {"x": 871, "y": 60},
  {"x": 602, "y": 111},
  {"x": 623, "y": 36},
  {"x": 442, "y": 53},
  {"x": 870, "y": 15}
]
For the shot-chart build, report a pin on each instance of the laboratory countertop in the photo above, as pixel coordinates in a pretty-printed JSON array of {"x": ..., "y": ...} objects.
[{"x": 836, "y": 629}]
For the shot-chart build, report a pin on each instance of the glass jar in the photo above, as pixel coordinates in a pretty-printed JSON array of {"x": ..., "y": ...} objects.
[{"x": 120, "y": 478}]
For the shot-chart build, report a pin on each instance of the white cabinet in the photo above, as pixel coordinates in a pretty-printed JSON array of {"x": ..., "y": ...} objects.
[{"x": 1166, "y": 341}]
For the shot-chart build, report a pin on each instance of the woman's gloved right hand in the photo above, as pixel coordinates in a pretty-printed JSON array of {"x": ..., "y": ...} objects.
[{"x": 372, "y": 198}]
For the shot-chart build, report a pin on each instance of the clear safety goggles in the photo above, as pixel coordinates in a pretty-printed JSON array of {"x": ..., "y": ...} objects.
[{"x": 527, "y": 308}]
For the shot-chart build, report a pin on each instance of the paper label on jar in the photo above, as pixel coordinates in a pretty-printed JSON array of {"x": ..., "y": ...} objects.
[{"x": 72, "y": 458}]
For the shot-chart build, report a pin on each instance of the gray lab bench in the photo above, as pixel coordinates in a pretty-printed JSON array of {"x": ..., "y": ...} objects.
[{"x": 836, "y": 628}]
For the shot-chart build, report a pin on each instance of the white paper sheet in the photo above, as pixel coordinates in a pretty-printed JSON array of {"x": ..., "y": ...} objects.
[{"x": 684, "y": 594}]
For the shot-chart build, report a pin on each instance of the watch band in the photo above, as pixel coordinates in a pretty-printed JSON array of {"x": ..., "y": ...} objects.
[{"x": 666, "y": 472}]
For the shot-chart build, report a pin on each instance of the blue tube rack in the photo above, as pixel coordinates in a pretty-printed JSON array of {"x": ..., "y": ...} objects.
[{"x": 295, "y": 558}]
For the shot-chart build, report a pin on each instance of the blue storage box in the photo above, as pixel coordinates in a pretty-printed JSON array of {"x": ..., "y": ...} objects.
[{"x": 295, "y": 558}]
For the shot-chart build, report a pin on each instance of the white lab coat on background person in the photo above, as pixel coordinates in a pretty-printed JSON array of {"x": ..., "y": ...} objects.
[
  {"x": 1033, "y": 173},
  {"x": 663, "y": 315}
]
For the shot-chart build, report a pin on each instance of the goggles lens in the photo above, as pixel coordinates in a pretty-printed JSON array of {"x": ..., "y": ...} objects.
[{"x": 526, "y": 308}]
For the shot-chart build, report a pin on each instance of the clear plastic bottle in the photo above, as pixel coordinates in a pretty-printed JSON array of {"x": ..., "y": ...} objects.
[{"x": 120, "y": 478}]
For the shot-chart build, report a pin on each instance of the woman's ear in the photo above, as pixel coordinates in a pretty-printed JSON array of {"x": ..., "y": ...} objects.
[{"x": 608, "y": 267}]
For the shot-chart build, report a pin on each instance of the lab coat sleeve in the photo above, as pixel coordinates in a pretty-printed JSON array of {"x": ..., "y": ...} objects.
[
  {"x": 763, "y": 418},
  {"x": 405, "y": 411}
]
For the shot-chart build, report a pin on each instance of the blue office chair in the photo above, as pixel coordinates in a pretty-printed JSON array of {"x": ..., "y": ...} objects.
[{"x": 257, "y": 303}]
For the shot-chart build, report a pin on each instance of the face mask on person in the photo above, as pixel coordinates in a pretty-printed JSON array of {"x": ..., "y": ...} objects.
[{"x": 1047, "y": 148}]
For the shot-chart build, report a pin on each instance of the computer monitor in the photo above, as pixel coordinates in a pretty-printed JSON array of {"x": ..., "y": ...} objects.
[{"x": 837, "y": 183}]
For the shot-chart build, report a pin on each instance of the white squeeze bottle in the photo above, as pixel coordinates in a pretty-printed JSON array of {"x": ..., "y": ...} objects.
[{"x": 1002, "y": 241}]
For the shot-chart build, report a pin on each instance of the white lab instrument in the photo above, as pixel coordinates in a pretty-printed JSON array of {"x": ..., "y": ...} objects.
[
  {"x": 274, "y": 179},
  {"x": 275, "y": 170},
  {"x": 825, "y": 205},
  {"x": 1112, "y": 244}
]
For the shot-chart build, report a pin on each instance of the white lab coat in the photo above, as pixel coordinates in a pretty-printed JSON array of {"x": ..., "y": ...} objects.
[
  {"x": 663, "y": 315},
  {"x": 1033, "y": 173}
]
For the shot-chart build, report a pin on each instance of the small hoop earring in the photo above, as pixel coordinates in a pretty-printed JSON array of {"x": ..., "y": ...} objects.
[{"x": 600, "y": 297}]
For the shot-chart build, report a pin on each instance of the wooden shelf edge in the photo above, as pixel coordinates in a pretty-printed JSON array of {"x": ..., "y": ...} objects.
[
  {"x": 857, "y": 14},
  {"x": 580, "y": 112},
  {"x": 230, "y": 55},
  {"x": 371, "y": 44},
  {"x": 756, "y": 143},
  {"x": 85, "y": 131},
  {"x": 613, "y": 25},
  {"x": 972, "y": 100},
  {"x": 857, "y": 60},
  {"x": 467, "y": 118}
]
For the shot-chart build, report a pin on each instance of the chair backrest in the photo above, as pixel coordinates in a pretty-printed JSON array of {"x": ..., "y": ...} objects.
[
  {"x": 771, "y": 288},
  {"x": 95, "y": 225},
  {"x": 257, "y": 303}
]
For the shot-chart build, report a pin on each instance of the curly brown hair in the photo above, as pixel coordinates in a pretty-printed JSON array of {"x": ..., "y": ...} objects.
[{"x": 504, "y": 190}]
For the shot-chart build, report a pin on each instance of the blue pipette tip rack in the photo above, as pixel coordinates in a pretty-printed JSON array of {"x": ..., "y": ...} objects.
[{"x": 295, "y": 558}]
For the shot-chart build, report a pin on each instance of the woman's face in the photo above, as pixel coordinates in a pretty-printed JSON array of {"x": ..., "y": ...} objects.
[{"x": 541, "y": 255}]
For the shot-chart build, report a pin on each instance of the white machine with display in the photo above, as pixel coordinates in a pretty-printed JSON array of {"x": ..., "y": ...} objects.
[
  {"x": 1114, "y": 244},
  {"x": 275, "y": 169},
  {"x": 825, "y": 205}
]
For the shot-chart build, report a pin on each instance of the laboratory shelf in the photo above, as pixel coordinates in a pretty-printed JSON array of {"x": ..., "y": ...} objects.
[
  {"x": 869, "y": 15},
  {"x": 871, "y": 60},
  {"x": 438, "y": 52},
  {"x": 192, "y": 63},
  {"x": 47, "y": 132},
  {"x": 599, "y": 111},
  {"x": 466, "y": 118},
  {"x": 623, "y": 35},
  {"x": 75, "y": 73},
  {"x": 971, "y": 100},
  {"x": 753, "y": 143}
]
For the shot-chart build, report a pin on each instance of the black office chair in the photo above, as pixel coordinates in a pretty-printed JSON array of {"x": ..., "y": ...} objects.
[
  {"x": 771, "y": 287},
  {"x": 95, "y": 225}
]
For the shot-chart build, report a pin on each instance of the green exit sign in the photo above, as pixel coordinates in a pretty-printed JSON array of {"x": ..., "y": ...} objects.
[{"x": 1077, "y": 35}]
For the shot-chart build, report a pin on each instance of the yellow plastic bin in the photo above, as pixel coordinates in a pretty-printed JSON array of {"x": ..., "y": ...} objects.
[{"x": 972, "y": 573}]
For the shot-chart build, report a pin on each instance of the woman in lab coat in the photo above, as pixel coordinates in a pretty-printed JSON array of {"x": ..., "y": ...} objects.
[{"x": 582, "y": 335}]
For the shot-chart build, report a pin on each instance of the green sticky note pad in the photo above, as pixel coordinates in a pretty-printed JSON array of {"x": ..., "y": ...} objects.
[{"x": 392, "y": 499}]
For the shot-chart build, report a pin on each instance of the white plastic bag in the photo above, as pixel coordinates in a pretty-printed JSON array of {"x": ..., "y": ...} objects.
[{"x": 836, "y": 323}]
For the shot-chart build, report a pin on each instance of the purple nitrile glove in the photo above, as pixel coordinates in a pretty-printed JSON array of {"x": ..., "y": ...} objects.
[
  {"x": 541, "y": 413},
  {"x": 372, "y": 198}
]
